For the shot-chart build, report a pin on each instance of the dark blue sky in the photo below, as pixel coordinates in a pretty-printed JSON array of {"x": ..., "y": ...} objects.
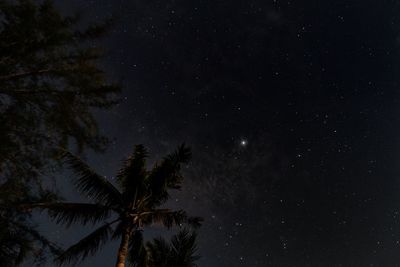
[{"x": 311, "y": 86}]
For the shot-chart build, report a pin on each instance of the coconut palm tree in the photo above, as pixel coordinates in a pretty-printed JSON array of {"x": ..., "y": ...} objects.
[{"x": 128, "y": 209}]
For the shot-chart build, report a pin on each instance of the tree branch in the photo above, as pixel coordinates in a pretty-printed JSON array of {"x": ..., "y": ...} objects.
[{"x": 25, "y": 74}]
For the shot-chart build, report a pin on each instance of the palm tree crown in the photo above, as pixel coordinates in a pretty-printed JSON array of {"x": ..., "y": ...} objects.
[{"x": 135, "y": 204}]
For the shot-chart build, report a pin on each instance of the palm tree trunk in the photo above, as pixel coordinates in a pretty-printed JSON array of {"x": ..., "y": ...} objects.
[{"x": 123, "y": 248}]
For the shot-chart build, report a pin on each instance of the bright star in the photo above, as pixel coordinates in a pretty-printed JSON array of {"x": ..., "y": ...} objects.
[{"x": 243, "y": 142}]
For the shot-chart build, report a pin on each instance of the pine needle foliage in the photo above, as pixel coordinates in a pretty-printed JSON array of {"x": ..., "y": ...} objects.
[{"x": 50, "y": 84}]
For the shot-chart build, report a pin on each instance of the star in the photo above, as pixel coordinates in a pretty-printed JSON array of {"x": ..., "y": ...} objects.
[{"x": 244, "y": 142}]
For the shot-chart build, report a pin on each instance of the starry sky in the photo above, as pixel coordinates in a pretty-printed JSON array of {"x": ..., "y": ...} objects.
[{"x": 291, "y": 109}]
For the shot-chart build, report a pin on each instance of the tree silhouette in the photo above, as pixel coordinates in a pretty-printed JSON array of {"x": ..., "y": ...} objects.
[
  {"x": 135, "y": 205},
  {"x": 50, "y": 83},
  {"x": 180, "y": 252},
  {"x": 17, "y": 238}
]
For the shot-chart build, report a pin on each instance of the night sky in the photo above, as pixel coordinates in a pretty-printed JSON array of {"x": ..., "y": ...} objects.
[{"x": 291, "y": 109}]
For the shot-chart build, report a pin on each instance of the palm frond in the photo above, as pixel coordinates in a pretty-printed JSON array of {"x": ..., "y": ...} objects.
[
  {"x": 182, "y": 154},
  {"x": 184, "y": 249},
  {"x": 132, "y": 175},
  {"x": 86, "y": 246},
  {"x": 68, "y": 213},
  {"x": 180, "y": 252},
  {"x": 94, "y": 186},
  {"x": 159, "y": 252},
  {"x": 137, "y": 256},
  {"x": 167, "y": 174}
]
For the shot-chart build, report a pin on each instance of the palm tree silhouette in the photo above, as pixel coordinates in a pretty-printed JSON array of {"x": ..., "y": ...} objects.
[
  {"x": 132, "y": 208},
  {"x": 180, "y": 252}
]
